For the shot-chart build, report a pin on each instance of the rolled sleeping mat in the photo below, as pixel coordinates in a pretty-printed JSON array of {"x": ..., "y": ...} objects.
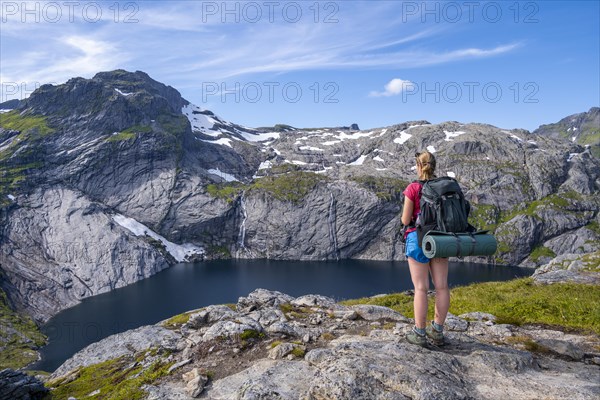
[{"x": 442, "y": 244}]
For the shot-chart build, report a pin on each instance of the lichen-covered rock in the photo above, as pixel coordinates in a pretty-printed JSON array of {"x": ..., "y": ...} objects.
[
  {"x": 262, "y": 298},
  {"x": 579, "y": 268},
  {"x": 125, "y": 343}
]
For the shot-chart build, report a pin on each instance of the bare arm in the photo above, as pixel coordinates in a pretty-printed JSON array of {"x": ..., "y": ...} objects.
[{"x": 407, "y": 211}]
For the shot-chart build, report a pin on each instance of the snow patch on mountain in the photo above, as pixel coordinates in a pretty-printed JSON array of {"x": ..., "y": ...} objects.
[
  {"x": 310, "y": 148},
  {"x": 222, "y": 141},
  {"x": 258, "y": 137},
  {"x": 224, "y": 175},
  {"x": 123, "y": 93},
  {"x": 451, "y": 135},
  {"x": 359, "y": 161},
  {"x": 403, "y": 137},
  {"x": 180, "y": 252}
]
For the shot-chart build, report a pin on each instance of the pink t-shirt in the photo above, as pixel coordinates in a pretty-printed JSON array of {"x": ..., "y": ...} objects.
[{"x": 413, "y": 192}]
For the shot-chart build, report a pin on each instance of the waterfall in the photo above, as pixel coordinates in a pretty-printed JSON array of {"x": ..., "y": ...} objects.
[
  {"x": 242, "y": 232},
  {"x": 332, "y": 234}
]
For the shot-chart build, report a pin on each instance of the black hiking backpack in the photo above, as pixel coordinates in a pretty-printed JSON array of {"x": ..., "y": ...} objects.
[{"x": 443, "y": 208}]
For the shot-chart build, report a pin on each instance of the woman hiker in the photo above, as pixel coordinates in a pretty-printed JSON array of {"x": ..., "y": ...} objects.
[{"x": 420, "y": 266}]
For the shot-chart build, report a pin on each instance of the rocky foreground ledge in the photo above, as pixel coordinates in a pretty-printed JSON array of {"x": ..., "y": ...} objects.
[{"x": 273, "y": 346}]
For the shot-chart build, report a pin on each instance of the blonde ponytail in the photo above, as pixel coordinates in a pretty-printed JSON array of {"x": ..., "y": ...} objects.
[{"x": 426, "y": 163}]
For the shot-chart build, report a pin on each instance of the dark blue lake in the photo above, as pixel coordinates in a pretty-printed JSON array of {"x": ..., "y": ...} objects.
[{"x": 189, "y": 286}]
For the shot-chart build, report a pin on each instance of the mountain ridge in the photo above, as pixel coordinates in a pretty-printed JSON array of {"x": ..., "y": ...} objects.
[{"x": 121, "y": 174}]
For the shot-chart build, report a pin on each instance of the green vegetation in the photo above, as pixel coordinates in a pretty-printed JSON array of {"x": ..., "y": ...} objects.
[
  {"x": 121, "y": 136},
  {"x": 15, "y": 167},
  {"x": 520, "y": 301},
  {"x": 120, "y": 378},
  {"x": 286, "y": 307},
  {"x": 251, "y": 334},
  {"x": 129, "y": 133},
  {"x": 484, "y": 216},
  {"x": 593, "y": 137},
  {"x": 218, "y": 252},
  {"x": 19, "y": 337},
  {"x": 389, "y": 189},
  {"x": 541, "y": 251},
  {"x": 298, "y": 352},
  {"x": 178, "y": 320},
  {"x": 283, "y": 169},
  {"x": 594, "y": 226},
  {"x": 292, "y": 187},
  {"x": 591, "y": 261},
  {"x": 25, "y": 124},
  {"x": 559, "y": 201},
  {"x": 175, "y": 124},
  {"x": 228, "y": 191}
]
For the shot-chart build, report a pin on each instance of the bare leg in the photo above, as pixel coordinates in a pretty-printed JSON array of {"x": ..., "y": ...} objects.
[
  {"x": 439, "y": 275},
  {"x": 419, "y": 274}
]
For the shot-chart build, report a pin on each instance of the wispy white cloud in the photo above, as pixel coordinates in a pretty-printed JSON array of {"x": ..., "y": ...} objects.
[
  {"x": 393, "y": 88},
  {"x": 186, "y": 47}
]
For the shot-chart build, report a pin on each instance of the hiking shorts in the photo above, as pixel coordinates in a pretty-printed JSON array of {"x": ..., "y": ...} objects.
[{"x": 413, "y": 250}]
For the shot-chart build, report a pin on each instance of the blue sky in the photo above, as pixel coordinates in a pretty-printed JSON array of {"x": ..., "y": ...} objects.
[{"x": 309, "y": 64}]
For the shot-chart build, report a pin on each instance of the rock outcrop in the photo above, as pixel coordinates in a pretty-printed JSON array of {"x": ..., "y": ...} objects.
[
  {"x": 579, "y": 268},
  {"x": 274, "y": 346},
  {"x": 18, "y": 385}
]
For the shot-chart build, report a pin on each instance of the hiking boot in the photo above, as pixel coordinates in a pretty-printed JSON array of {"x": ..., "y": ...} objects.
[
  {"x": 414, "y": 337},
  {"x": 437, "y": 337}
]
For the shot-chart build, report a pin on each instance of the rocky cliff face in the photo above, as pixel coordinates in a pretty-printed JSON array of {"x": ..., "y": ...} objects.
[{"x": 105, "y": 181}]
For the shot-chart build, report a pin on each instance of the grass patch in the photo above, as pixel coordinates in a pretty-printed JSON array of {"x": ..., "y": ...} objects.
[
  {"x": 298, "y": 352},
  {"x": 19, "y": 337},
  {"x": 286, "y": 307},
  {"x": 519, "y": 301},
  {"x": 327, "y": 336},
  {"x": 591, "y": 261},
  {"x": 121, "y": 136},
  {"x": 178, "y": 320},
  {"x": 276, "y": 343},
  {"x": 291, "y": 187},
  {"x": 129, "y": 133},
  {"x": 218, "y": 252},
  {"x": 541, "y": 251},
  {"x": 558, "y": 201},
  {"x": 228, "y": 191},
  {"x": 484, "y": 216},
  {"x": 117, "y": 379},
  {"x": 251, "y": 334},
  {"x": 594, "y": 226},
  {"x": 13, "y": 120}
]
